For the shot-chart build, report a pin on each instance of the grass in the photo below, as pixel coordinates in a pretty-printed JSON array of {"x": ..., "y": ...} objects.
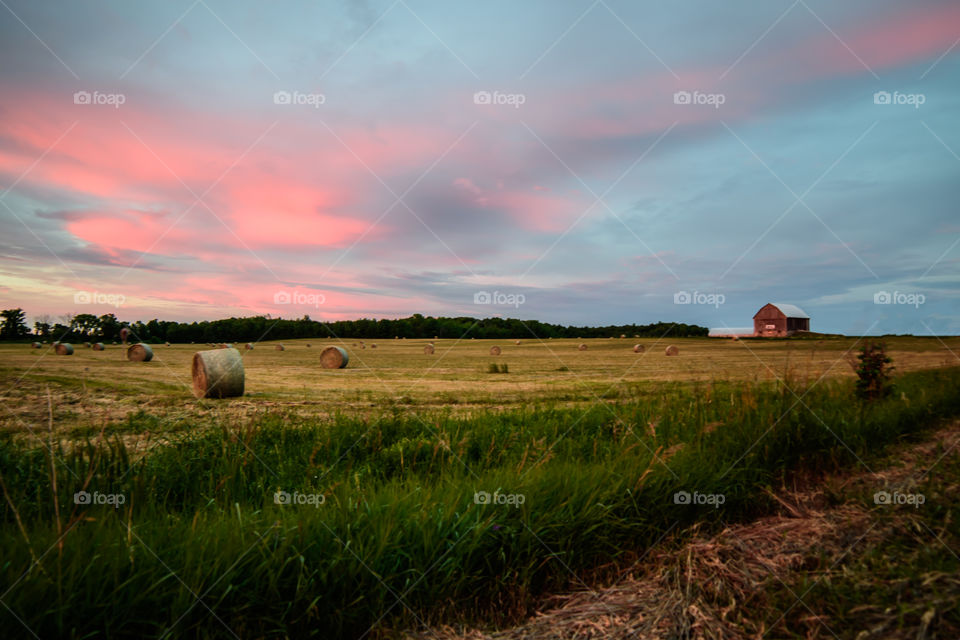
[
  {"x": 400, "y": 537},
  {"x": 100, "y": 387},
  {"x": 898, "y": 577}
]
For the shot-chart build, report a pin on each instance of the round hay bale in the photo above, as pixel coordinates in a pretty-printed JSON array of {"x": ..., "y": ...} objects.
[
  {"x": 36, "y": 345},
  {"x": 226, "y": 345},
  {"x": 279, "y": 347},
  {"x": 639, "y": 348},
  {"x": 334, "y": 358},
  {"x": 373, "y": 346},
  {"x": 308, "y": 345},
  {"x": 139, "y": 352},
  {"x": 429, "y": 349},
  {"x": 582, "y": 347},
  {"x": 166, "y": 344},
  {"x": 494, "y": 351},
  {"x": 249, "y": 346},
  {"x": 124, "y": 334},
  {"x": 517, "y": 343},
  {"x": 86, "y": 344},
  {"x": 98, "y": 346},
  {"x": 217, "y": 373},
  {"x": 622, "y": 336},
  {"x": 672, "y": 351},
  {"x": 63, "y": 349}
]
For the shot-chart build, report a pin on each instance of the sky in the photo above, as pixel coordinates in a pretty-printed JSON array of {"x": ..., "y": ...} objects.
[{"x": 590, "y": 163}]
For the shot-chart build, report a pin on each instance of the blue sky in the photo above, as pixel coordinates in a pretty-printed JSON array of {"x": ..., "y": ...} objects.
[{"x": 389, "y": 158}]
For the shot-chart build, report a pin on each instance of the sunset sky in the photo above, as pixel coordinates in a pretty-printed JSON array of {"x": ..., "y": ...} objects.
[{"x": 191, "y": 160}]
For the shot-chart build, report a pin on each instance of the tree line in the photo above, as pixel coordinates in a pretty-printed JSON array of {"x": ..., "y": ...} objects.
[{"x": 104, "y": 328}]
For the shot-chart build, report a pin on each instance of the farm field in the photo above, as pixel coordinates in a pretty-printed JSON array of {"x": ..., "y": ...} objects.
[
  {"x": 408, "y": 491},
  {"x": 96, "y": 388}
]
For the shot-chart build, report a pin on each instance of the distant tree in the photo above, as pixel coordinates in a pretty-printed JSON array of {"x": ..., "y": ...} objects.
[
  {"x": 108, "y": 327},
  {"x": 60, "y": 331},
  {"x": 14, "y": 324},
  {"x": 85, "y": 324},
  {"x": 41, "y": 328}
]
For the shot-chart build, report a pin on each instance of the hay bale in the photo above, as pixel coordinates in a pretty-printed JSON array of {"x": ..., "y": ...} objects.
[
  {"x": 86, "y": 344},
  {"x": 124, "y": 334},
  {"x": 308, "y": 345},
  {"x": 429, "y": 349},
  {"x": 98, "y": 346},
  {"x": 517, "y": 343},
  {"x": 63, "y": 349},
  {"x": 279, "y": 347},
  {"x": 373, "y": 346},
  {"x": 622, "y": 336},
  {"x": 494, "y": 351},
  {"x": 582, "y": 347},
  {"x": 639, "y": 348},
  {"x": 139, "y": 352},
  {"x": 166, "y": 344},
  {"x": 217, "y": 373},
  {"x": 226, "y": 345},
  {"x": 334, "y": 358},
  {"x": 672, "y": 351},
  {"x": 249, "y": 346},
  {"x": 36, "y": 345}
]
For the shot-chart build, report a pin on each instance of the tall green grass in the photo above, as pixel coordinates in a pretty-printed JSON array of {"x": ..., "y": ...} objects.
[{"x": 399, "y": 538}]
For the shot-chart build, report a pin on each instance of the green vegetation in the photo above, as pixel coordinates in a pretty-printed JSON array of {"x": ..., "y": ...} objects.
[
  {"x": 874, "y": 372},
  {"x": 423, "y": 516},
  {"x": 898, "y": 576},
  {"x": 86, "y": 326}
]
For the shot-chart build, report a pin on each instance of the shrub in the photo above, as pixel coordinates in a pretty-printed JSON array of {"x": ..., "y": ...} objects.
[{"x": 873, "y": 372}]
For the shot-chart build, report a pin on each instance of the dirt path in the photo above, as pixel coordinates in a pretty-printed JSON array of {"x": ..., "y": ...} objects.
[{"x": 713, "y": 587}]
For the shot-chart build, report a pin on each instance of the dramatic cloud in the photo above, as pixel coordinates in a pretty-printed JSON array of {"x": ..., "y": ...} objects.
[{"x": 388, "y": 158}]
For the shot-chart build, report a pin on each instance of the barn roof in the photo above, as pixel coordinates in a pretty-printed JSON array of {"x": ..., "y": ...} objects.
[{"x": 790, "y": 310}]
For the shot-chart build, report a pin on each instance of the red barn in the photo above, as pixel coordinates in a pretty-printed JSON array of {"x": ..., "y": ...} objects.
[{"x": 776, "y": 320}]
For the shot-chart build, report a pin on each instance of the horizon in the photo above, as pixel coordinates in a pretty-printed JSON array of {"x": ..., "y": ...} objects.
[{"x": 606, "y": 164}]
